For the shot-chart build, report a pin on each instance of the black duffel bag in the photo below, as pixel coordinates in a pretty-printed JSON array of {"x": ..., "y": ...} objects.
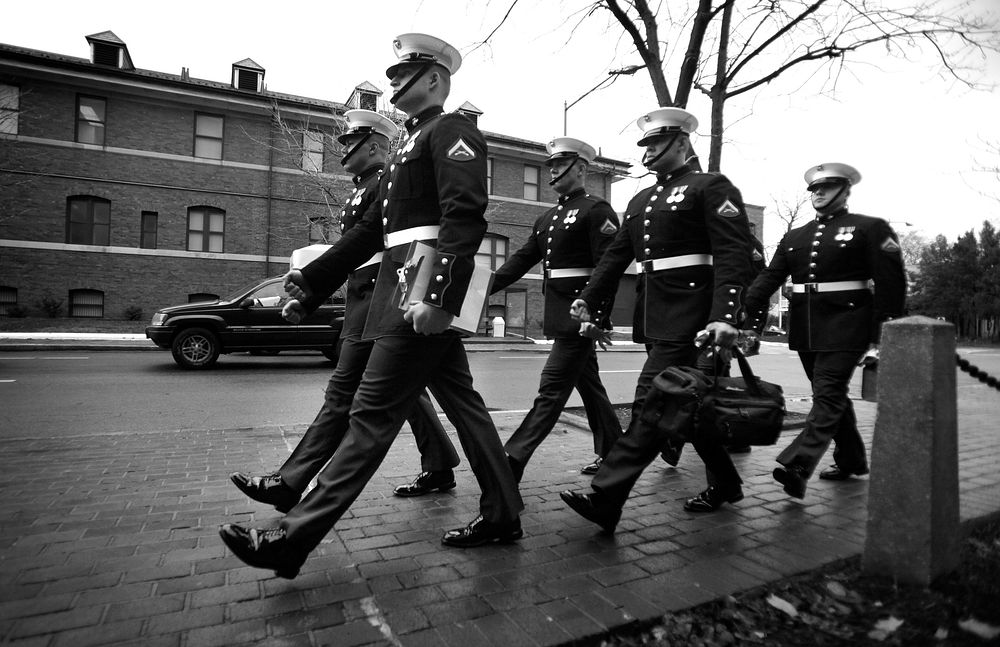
[{"x": 733, "y": 410}]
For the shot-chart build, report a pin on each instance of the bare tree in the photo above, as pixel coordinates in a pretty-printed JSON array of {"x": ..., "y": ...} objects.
[{"x": 724, "y": 50}]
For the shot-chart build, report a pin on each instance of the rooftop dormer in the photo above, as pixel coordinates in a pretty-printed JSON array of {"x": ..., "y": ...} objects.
[
  {"x": 108, "y": 49},
  {"x": 365, "y": 97},
  {"x": 249, "y": 76},
  {"x": 470, "y": 111}
]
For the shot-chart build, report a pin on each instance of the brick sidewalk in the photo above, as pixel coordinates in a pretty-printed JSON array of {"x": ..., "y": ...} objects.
[{"x": 112, "y": 539}]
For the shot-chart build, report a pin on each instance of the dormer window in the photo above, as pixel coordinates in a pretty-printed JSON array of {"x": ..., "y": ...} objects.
[
  {"x": 470, "y": 111},
  {"x": 248, "y": 76},
  {"x": 107, "y": 49},
  {"x": 365, "y": 97}
]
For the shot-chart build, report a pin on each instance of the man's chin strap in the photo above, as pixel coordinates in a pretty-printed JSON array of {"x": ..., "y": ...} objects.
[
  {"x": 355, "y": 148},
  {"x": 409, "y": 84},
  {"x": 669, "y": 145},
  {"x": 833, "y": 200},
  {"x": 563, "y": 174}
]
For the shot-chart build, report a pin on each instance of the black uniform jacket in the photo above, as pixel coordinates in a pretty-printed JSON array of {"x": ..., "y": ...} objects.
[
  {"x": 684, "y": 213},
  {"x": 567, "y": 239},
  {"x": 361, "y": 282},
  {"x": 839, "y": 247},
  {"x": 437, "y": 178}
]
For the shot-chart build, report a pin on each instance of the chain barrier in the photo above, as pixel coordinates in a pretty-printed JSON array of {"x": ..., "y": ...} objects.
[{"x": 976, "y": 372}]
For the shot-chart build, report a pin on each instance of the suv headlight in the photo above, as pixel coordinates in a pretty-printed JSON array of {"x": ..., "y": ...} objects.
[{"x": 158, "y": 319}]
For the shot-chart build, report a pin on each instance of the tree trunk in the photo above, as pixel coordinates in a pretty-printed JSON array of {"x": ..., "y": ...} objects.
[{"x": 719, "y": 91}]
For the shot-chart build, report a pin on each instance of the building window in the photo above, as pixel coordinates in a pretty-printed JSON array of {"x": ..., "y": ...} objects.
[
  {"x": 206, "y": 229},
  {"x": 312, "y": 151},
  {"x": 8, "y": 300},
  {"x": 489, "y": 176},
  {"x": 10, "y": 102},
  {"x": 319, "y": 229},
  {"x": 148, "y": 226},
  {"x": 88, "y": 221},
  {"x": 90, "y": 120},
  {"x": 531, "y": 174},
  {"x": 86, "y": 303},
  {"x": 208, "y": 136},
  {"x": 492, "y": 251}
]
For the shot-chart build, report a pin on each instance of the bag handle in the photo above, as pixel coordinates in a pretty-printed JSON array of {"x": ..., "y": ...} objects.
[{"x": 748, "y": 375}]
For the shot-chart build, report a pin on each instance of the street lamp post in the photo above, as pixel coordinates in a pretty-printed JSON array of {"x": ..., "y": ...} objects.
[{"x": 628, "y": 70}]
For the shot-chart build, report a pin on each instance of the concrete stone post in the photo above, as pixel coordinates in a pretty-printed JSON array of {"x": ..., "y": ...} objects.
[{"x": 913, "y": 515}]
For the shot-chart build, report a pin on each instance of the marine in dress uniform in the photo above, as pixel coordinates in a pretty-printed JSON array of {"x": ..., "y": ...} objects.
[
  {"x": 434, "y": 190},
  {"x": 367, "y": 140},
  {"x": 834, "y": 316},
  {"x": 690, "y": 239},
  {"x": 568, "y": 240}
]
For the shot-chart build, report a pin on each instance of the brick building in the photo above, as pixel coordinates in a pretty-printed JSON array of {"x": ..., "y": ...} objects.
[{"x": 123, "y": 190}]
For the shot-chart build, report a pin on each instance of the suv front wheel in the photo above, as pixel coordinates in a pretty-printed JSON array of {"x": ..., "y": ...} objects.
[{"x": 195, "y": 348}]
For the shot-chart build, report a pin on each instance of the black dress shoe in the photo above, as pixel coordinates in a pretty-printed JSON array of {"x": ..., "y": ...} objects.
[
  {"x": 269, "y": 489},
  {"x": 672, "y": 453},
  {"x": 835, "y": 473},
  {"x": 263, "y": 548},
  {"x": 427, "y": 482},
  {"x": 593, "y": 467},
  {"x": 517, "y": 467},
  {"x": 712, "y": 499},
  {"x": 588, "y": 506},
  {"x": 480, "y": 531},
  {"x": 793, "y": 479}
]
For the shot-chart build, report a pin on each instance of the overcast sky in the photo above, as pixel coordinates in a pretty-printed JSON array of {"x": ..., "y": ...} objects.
[{"x": 916, "y": 138}]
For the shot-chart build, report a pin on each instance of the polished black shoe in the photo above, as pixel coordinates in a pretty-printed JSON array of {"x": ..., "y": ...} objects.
[
  {"x": 835, "y": 473},
  {"x": 793, "y": 479},
  {"x": 593, "y": 467},
  {"x": 738, "y": 449},
  {"x": 263, "y": 548},
  {"x": 672, "y": 453},
  {"x": 712, "y": 499},
  {"x": 605, "y": 515},
  {"x": 480, "y": 531},
  {"x": 269, "y": 489},
  {"x": 427, "y": 482},
  {"x": 516, "y": 467}
]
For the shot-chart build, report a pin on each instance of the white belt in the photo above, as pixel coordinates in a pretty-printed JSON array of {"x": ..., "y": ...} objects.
[
  {"x": 569, "y": 272},
  {"x": 831, "y": 286},
  {"x": 377, "y": 258},
  {"x": 405, "y": 236},
  {"x": 673, "y": 262}
]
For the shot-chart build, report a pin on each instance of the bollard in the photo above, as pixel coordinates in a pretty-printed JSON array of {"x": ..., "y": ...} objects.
[{"x": 913, "y": 514}]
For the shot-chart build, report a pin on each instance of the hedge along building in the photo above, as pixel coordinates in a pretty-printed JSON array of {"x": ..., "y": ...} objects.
[{"x": 123, "y": 190}]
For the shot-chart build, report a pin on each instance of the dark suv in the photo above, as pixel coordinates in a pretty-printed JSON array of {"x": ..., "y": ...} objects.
[{"x": 247, "y": 320}]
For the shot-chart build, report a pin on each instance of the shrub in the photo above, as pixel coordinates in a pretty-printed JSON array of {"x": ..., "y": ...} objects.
[
  {"x": 133, "y": 313},
  {"x": 50, "y": 306}
]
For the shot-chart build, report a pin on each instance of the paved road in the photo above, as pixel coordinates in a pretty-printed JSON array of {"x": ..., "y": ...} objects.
[{"x": 66, "y": 393}]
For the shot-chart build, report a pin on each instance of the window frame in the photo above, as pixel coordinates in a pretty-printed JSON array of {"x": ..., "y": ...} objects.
[
  {"x": 199, "y": 137},
  {"x": 536, "y": 184},
  {"x": 8, "y": 299},
  {"x": 489, "y": 175},
  {"x": 494, "y": 254},
  {"x": 317, "y": 138},
  {"x": 73, "y": 306},
  {"x": 102, "y": 126},
  {"x": 206, "y": 233},
  {"x": 10, "y": 113},
  {"x": 144, "y": 232},
  {"x": 74, "y": 227}
]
